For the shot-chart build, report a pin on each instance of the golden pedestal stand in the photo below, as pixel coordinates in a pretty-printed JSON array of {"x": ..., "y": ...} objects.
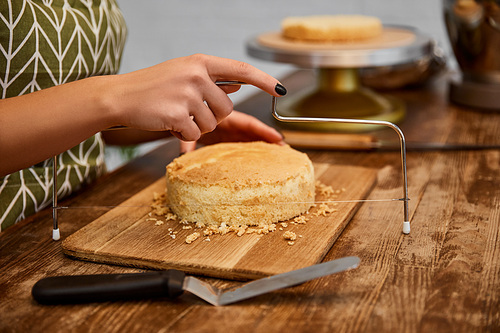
[{"x": 338, "y": 92}]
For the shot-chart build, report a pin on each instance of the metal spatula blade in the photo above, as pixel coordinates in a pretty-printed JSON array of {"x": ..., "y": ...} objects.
[
  {"x": 171, "y": 283},
  {"x": 262, "y": 286}
]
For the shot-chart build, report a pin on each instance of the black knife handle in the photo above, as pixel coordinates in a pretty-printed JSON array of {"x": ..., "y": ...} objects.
[{"x": 74, "y": 289}]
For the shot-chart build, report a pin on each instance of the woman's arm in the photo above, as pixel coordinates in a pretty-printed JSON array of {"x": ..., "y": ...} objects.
[{"x": 41, "y": 124}]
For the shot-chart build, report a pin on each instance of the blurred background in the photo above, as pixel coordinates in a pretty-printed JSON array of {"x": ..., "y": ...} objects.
[{"x": 163, "y": 29}]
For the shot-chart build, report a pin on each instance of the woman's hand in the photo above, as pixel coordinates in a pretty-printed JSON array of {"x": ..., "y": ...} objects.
[
  {"x": 181, "y": 96},
  {"x": 237, "y": 127}
]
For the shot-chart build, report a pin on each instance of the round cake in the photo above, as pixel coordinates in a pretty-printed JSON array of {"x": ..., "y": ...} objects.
[
  {"x": 331, "y": 28},
  {"x": 251, "y": 183}
]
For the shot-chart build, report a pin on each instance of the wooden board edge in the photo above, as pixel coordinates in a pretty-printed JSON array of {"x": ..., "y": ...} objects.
[{"x": 154, "y": 265}]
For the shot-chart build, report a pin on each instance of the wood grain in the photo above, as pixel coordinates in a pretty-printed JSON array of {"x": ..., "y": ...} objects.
[
  {"x": 124, "y": 236},
  {"x": 442, "y": 277}
]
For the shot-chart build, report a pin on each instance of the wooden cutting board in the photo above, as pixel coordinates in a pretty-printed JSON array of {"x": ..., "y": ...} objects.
[{"x": 127, "y": 236}]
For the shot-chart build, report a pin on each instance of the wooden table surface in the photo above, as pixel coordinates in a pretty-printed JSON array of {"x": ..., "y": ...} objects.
[{"x": 442, "y": 277}]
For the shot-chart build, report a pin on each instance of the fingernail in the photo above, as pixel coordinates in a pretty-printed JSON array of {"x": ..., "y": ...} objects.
[{"x": 280, "y": 89}]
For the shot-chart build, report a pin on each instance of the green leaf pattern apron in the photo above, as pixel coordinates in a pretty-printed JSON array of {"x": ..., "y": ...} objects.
[{"x": 44, "y": 43}]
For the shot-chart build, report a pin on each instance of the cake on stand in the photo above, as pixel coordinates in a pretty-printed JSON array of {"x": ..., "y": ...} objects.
[{"x": 338, "y": 92}]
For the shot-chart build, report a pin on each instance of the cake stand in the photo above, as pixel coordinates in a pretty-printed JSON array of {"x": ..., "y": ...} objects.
[{"x": 338, "y": 92}]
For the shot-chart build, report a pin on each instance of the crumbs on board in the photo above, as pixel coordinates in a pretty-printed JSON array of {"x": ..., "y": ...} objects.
[{"x": 161, "y": 214}]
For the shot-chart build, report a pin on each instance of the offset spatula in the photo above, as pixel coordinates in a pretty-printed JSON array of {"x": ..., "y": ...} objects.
[{"x": 171, "y": 283}]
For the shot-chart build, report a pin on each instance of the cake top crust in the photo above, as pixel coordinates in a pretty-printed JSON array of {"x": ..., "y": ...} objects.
[{"x": 239, "y": 164}]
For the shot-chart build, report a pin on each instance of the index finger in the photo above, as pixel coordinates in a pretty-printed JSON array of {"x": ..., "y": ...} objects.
[{"x": 223, "y": 69}]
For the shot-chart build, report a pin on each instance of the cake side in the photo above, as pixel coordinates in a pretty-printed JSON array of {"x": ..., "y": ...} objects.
[
  {"x": 331, "y": 28},
  {"x": 241, "y": 184}
]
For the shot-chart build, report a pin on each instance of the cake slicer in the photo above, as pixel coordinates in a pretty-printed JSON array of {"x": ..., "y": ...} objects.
[
  {"x": 171, "y": 283},
  {"x": 406, "y": 221},
  {"x": 402, "y": 140}
]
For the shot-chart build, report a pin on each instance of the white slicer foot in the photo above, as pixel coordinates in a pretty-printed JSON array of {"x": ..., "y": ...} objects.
[
  {"x": 55, "y": 234},
  {"x": 406, "y": 227}
]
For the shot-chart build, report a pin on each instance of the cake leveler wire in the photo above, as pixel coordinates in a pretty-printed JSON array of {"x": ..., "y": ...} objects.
[
  {"x": 406, "y": 222},
  {"x": 402, "y": 140}
]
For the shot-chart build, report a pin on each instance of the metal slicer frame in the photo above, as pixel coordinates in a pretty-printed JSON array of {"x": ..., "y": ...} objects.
[
  {"x": 406, "y": 223},
  {"x": 405, "y": 199},
  {"x": 56, "y": 235}
]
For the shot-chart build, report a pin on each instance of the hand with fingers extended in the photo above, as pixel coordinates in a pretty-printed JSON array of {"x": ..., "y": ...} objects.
[
  {"x": 181, "y": 96},
  {"x": 237, "y": 127}
]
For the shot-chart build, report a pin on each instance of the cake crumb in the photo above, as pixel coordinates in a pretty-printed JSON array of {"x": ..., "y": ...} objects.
[
  {"x": 324, "y": 210},
  {"x": 265, "y": 229},
  {"x": 223, "y": 228},
  {"x": 300, "y": 219},
  {"x": 291, "y": 243},
  {"x": 158, "y": 196},
  {"x": 324, "y": 189},
  {"x": 290, "y": 235},
  {"x": 170, "y": 216},
  {"x": 159, "y": 210},
  {"x": 240, "y": 232},
  {"x": 208, "y": 232},
  {"x": 186, "y": 227},
  {"x": 191, "y": 238},
  {"x": 284, "y": 224},
  {"x": 159, "y": 222}
]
